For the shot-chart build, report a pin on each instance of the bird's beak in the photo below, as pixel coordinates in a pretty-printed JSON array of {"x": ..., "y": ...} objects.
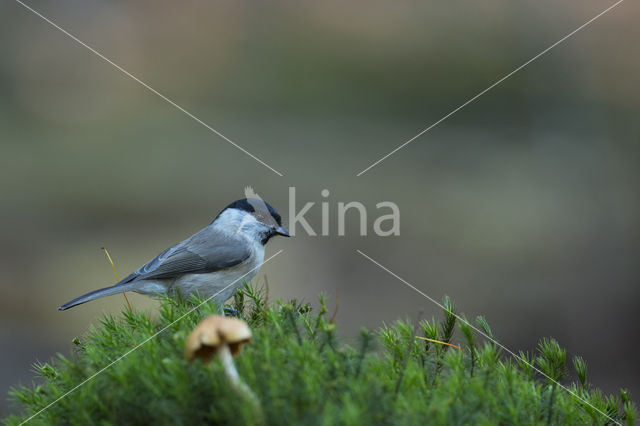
[{"x": 283, "y": 232}]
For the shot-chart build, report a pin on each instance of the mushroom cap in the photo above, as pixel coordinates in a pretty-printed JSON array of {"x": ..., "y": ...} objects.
[{"x": 213, "y": 332}]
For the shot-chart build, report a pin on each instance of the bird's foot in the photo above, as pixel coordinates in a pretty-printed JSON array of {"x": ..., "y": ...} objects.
[{"x": 230, "y": 312}]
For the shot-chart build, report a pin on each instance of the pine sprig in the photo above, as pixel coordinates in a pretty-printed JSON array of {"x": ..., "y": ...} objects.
[{"x": 302, "y": 374}]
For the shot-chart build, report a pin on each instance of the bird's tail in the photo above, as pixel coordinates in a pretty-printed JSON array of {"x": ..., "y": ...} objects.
[{"x": 96, "y": 294}]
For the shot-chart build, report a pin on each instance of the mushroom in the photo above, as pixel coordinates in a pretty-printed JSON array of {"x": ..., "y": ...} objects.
[
  {"x": 216, "y": 334},
  {"x": 222, "y": 337}
]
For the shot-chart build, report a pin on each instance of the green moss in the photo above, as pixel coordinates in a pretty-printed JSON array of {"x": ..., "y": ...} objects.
[{"x": 302, "y": 374}]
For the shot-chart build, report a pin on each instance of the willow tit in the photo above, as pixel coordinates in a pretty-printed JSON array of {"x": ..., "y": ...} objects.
[{"x": 216, "y": 259}]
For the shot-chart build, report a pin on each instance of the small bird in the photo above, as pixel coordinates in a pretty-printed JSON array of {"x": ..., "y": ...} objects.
[{"x": 218, "y": 258}]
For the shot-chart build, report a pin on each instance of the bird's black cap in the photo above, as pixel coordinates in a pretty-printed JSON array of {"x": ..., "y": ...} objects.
[{"x": 248, "y": 205}]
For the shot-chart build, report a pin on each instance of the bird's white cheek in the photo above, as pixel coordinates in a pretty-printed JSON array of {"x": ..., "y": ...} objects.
[{"x": 258, "y": 251}]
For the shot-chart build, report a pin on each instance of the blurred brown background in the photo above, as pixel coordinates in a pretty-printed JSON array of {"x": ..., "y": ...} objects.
[{"x": 523, "y": 207}]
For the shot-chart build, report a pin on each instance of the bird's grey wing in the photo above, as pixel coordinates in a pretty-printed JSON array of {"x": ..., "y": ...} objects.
[
  {"x": 205, "y": 251},
  {"x": 197, "y": 256},
  {"x": 153, "y": 264}
]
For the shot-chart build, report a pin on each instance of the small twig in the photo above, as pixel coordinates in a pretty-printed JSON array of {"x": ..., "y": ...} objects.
[
  {"x": 117, "y": 279},
  {"x": 335, "y": 311},
  {"x": 437, "y": 341}
]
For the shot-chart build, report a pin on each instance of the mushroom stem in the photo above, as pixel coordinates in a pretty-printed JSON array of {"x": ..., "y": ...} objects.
[
  {"x": 232, "y": 374},
  {"x": 229, "y": 367}
]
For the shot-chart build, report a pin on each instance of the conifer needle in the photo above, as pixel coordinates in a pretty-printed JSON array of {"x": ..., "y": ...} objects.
[
  {"x": 437, "y": 341},
  {"x": 117, "y": 279}
]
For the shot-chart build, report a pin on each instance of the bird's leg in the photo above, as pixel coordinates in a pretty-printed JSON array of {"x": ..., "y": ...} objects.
[{"x": 228, "y": 311}]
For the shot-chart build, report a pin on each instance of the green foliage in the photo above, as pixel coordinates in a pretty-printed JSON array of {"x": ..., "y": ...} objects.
[
  {"x": 302, "y": 374},
  {"x": 580, "y": 366}
]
